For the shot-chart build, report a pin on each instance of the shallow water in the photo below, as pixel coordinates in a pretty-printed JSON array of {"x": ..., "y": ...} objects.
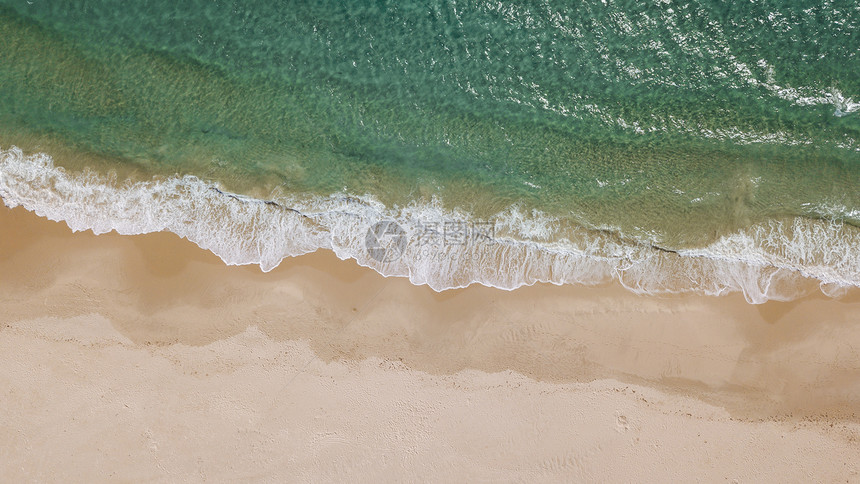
[{"x": 676, "y": 146}]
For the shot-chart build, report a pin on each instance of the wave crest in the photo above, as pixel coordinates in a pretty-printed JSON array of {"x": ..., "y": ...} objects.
[{"x": 778, "y": 260}]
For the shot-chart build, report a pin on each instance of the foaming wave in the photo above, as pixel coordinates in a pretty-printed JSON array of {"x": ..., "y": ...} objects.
[{"x": 442, "y": 248}]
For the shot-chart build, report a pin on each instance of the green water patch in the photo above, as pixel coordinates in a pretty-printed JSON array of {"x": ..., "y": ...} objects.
[{"x": 627, "y": 117}]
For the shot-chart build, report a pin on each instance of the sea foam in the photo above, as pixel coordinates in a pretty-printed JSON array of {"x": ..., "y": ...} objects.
[{"x": 441, "y": 247}]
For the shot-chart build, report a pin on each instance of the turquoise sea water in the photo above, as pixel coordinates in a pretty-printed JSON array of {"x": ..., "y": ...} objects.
[{"x": 704, "y": 146}]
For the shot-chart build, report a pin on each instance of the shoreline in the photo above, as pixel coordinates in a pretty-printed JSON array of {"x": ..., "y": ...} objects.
[
  {"x": 173, "y": 314},
  {"x": 778, "y": 259}
]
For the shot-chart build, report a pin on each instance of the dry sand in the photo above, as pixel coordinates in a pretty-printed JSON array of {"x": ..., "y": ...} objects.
[{"x": 145, "y": 358}]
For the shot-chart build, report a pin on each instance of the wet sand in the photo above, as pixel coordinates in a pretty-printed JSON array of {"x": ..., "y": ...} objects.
[{"x": 146, "y": 358}]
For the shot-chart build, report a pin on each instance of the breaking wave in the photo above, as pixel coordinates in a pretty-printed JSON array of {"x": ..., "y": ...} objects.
[{"x": 439, "y": 247}]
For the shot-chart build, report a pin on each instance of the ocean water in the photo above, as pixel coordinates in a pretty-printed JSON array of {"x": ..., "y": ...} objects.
[{"x": 674, "y": 146}]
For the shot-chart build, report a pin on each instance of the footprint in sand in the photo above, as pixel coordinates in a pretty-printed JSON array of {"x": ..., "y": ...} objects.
[{"x": 622, "y": 424}]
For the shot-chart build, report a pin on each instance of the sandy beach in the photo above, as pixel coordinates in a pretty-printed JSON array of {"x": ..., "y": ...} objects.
[{"x": 132, "y": 358}]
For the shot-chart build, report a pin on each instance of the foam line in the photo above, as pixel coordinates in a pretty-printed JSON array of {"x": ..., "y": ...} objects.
[{"x": 776, "y": 260}]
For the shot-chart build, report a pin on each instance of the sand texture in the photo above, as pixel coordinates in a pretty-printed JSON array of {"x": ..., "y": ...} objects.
[{"x": 145, "y": 358}]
